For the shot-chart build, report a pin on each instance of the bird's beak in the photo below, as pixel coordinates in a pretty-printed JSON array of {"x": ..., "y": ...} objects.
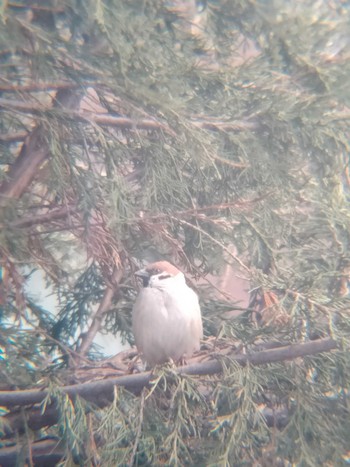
[{"x": 142, "y": 273}]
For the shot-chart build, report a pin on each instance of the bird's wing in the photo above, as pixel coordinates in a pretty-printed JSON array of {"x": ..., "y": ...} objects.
[
  {"x": 196, "y": 322},
  {"x": 149, "y": 315},
  {"x": 188, "y": 328}
]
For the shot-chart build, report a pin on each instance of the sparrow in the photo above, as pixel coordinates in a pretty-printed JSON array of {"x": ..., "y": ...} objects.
[{"x": 166, "y": 319}]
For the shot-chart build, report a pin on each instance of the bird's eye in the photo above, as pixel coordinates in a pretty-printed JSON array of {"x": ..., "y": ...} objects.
[{"x": 154, "y": 271}]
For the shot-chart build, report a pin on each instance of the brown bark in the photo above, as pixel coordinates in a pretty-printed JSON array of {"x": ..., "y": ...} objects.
[
  {"x": 102, "y": 391},
  {"x": 34, "y": 153},
  {"x": 43, "y": 453}
]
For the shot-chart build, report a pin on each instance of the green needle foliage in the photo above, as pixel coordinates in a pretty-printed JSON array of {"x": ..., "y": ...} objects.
[{"x": 214, "y": 135}]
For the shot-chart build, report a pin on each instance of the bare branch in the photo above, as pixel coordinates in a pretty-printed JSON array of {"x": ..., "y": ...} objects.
[
  {"x": 33, "y": 153},
  {"x": 34, "y": 107},
  {"x": 100, "y": 391},
  {"x": 13, "y": 137},
  {"x": 279, "y": 354}
]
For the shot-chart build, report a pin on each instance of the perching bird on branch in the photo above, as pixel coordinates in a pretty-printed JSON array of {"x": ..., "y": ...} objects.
[{"x": 166, "y": 322}]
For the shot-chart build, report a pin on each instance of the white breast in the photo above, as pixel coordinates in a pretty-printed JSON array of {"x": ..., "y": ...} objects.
[{"x": 167, "y": 323}]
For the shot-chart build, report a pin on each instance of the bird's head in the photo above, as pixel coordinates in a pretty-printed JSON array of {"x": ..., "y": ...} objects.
[{"x": 160, "y": 274}]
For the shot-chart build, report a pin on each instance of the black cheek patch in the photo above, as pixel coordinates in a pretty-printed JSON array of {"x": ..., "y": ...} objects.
[
  {"x": 166, "y": 276},
  {"x": 145, "y": 281}
]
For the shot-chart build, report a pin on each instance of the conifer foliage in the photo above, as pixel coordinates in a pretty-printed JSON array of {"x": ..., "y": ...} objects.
[{"x": 212, "y": 134}]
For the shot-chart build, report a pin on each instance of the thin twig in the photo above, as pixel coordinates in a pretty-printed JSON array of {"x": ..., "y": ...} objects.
[
  {"x": 29, "y": 441},
  {"x": 91, "y": 117},
  {"x": 202, "y": 209},
  {"x": 106, "y": 119},
  {"x": 233, "y": 125},
  {"x": 88, "y": 337},
  {"x": 33, "y": 87},
  {"x": 203, "y": 232},
  {"x": 71, "y": 353}
]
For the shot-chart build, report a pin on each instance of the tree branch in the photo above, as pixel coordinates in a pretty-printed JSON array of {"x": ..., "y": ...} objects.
[
  {"x": 233, "y": 125},
  {"x": 55, "y": 214},
  {"x": 88, "y": 337},
  {"x": 13, "y": 137},
  {"x": 34, "y": 152},
  {"x": 36, "y": 87},
  {"x": 45, "y": 452},
  {"x": 48, "y": 452},
  {"x": 120, "y": 121},
  {"x": 90, "y": 117},
  {"x": 101, "y": 391}
]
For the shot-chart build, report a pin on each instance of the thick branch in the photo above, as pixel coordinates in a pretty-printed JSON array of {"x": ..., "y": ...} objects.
[
  {"x": 22, "y": 172},
  {"x": 45, "y": 452},
  {"x": 48, "y": 452},
  {"x": 36, "y": 419},
  {"x": 34, "y": 152},
  {"x": 100, "y": 391},
  {"x": 13, "y": 137},
  {"x": 279, "y": 354}
]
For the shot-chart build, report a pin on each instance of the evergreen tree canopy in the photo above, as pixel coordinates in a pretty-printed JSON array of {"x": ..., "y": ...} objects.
[{"x": 211, "y": 134}]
